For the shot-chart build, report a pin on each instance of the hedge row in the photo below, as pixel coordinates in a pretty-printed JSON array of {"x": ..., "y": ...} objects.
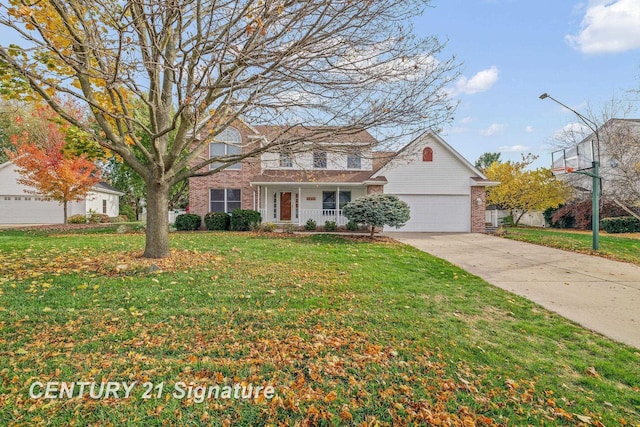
[
  {"x": 623, "y": 224},
  {"x": 188, "y": 222},
  {"x": 217, "y": 221},
  {"x": 239, "y": 220}
]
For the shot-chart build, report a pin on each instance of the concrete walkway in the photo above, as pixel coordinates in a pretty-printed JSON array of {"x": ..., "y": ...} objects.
[{"x": 599, "y": 294}]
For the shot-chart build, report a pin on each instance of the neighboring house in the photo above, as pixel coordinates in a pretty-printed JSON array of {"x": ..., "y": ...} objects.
[
  {"x": 19, "y": 207},
  {"x": 444, "y": 191},
  {"x": 619, "y": 159}
]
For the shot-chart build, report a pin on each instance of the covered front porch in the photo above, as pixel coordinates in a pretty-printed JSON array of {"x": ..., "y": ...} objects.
[{"x": 297, "y": 204}]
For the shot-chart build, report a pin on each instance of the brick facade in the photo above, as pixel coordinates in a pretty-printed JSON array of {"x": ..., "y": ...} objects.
[
  {"x": 375, "y": 189},
  {"x": 251, "y": 171},
  {"x": 199, "y": 187},
  {"x": 478, "y": 209}
]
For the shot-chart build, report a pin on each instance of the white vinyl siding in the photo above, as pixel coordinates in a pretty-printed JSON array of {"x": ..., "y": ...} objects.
[
  {"x": 444, "y": 175},
  {"x": 304, "y": 161}
]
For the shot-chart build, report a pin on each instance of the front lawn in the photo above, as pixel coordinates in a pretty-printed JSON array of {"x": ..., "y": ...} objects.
[
  {"x": 348, "y": 332},
  {"x": 618, "y": 247}
]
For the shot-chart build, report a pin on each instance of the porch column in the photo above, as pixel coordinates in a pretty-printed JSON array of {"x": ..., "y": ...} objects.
[
  {"x": 338, "y": 206},
  {"x": 266, "y": 194},
  {"x": 299, "y": 205}
]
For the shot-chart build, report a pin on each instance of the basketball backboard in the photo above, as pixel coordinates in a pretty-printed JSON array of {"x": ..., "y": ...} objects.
[{"x": 576, "y": 158}]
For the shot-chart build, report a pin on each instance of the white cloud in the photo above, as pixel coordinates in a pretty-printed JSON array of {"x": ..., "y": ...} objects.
[
  {"x": 494, "y": 129},
  {"x": 611, "y": 26},
  {"x": 513, "y": 148},
  {"x": 528, "y": 129},
  {"x": 465, "y": 120},
  {"x": 572, "y": 132},
  {"x": 480, "y": 82}
]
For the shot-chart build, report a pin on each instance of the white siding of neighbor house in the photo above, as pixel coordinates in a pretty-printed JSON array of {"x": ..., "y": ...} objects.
[
  {"x": 445, "y": 175},
  {"x": 19, "y": 207},
  {"x": 94, "y": 203},
  {"x": 304, "y": 161},
  {"x": 8, "y": 181}
]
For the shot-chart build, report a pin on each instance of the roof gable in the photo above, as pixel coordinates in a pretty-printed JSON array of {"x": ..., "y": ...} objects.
[
  {"x": 414, "y": 148},
  {"x": 318, "y": 134}
]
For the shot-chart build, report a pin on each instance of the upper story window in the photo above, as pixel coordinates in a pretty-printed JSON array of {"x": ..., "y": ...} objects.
[
  {"x": 354, "y": 161},
  {"x": 227, "y": 143},
  {"x": 427, "y": 155},
  {"x": 319, "y": 159},
  {"x": 285, "y": 160}
]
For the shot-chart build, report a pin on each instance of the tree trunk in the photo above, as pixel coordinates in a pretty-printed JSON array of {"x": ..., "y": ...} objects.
[
  {"x": 157, "y": 241},
  {"x": 373, "y": 230},
  {"x": 64, "y": 209}
]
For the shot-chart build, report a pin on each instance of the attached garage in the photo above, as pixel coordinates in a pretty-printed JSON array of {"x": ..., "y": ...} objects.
[
  {"x": 437, "y": 213},
  {"x": 444, "y": 191}
]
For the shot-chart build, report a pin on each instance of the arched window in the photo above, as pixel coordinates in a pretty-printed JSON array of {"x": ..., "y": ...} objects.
[
  {"x": 427, "y": 155},
  {"x": 227, "y": 143}
]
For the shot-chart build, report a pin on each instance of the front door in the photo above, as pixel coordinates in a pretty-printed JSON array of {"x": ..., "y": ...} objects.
[{"x": 285, "y": 206}]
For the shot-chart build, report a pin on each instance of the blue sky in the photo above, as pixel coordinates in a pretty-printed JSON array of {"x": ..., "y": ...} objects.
[{"x": 583, "y": 53}]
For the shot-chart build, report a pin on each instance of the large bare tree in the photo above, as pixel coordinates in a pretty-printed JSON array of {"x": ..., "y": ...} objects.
[
  {"x": 332, "y": 66},
  {"x": 616, "y": 146},
  {"x": 620, "y": 154}
]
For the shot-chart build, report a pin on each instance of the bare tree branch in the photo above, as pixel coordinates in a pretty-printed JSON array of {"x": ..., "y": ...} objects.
[{"x": 198, "y": 66}]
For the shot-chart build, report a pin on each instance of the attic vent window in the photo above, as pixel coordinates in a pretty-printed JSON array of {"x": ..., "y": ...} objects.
[{"x": 427, "y": 155}]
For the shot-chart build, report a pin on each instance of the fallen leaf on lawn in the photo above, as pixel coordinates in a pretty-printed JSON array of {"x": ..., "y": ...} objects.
[
  {"x": 591, "y": 371},
  {"x": 583, "y": 418}
]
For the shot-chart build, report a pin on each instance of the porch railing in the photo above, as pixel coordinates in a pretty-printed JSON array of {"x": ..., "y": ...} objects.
[{"x": 320, "y": 216}]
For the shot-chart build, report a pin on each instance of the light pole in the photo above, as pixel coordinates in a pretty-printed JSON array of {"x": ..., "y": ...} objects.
[{"x": 594, "y": 174}]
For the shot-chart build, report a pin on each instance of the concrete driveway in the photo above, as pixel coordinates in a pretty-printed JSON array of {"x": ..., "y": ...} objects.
[{"x": 597, "y": 293}]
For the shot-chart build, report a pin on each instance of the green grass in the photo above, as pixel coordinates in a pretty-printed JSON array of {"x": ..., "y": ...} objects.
[
  {"x": 349, "y": 332},
  {"x": 622, "y": 248}
]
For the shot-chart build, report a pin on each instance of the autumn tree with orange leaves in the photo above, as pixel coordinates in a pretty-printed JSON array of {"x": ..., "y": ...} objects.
[
  {"x": 198, "y": 67},
  {"x": 41, "y": 160}
]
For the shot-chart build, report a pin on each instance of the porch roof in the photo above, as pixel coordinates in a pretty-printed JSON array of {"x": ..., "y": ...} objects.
[
  {"x": 482, "y": 182},
  {"x": 317, "y": 177}
]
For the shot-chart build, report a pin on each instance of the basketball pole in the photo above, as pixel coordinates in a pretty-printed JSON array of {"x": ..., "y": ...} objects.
[
  {"x": 595, "y": 204},
  {"x": 594, "y": 174}
]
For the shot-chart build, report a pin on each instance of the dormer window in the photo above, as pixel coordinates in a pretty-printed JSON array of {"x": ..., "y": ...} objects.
[
  {"x": 427, "y": 155},
  {"x": 319, "y": 159},
  {"x": 285, "y": 160},
  {"x": 354, "y": 161}
]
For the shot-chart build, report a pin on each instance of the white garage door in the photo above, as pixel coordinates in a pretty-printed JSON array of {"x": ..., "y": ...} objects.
[
  {"x": 437, "y": 213},
  {"x": 28, "y": 210}
]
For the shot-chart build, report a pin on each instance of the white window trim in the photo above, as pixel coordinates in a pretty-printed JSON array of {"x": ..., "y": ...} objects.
[
  {"x": 226, "y": 201},
  {"x": 354, "y": 156},
  {"x": 230, "y": 137},
  {"x": 326, "y": 161},
  {"x": 284, "y": 157}
]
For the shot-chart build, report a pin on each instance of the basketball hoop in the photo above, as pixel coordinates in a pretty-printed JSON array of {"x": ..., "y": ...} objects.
[{"x": 562, "y": 171}]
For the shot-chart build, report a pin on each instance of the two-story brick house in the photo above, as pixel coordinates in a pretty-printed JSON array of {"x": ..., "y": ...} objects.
[{"x": 445, "y": 192}]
